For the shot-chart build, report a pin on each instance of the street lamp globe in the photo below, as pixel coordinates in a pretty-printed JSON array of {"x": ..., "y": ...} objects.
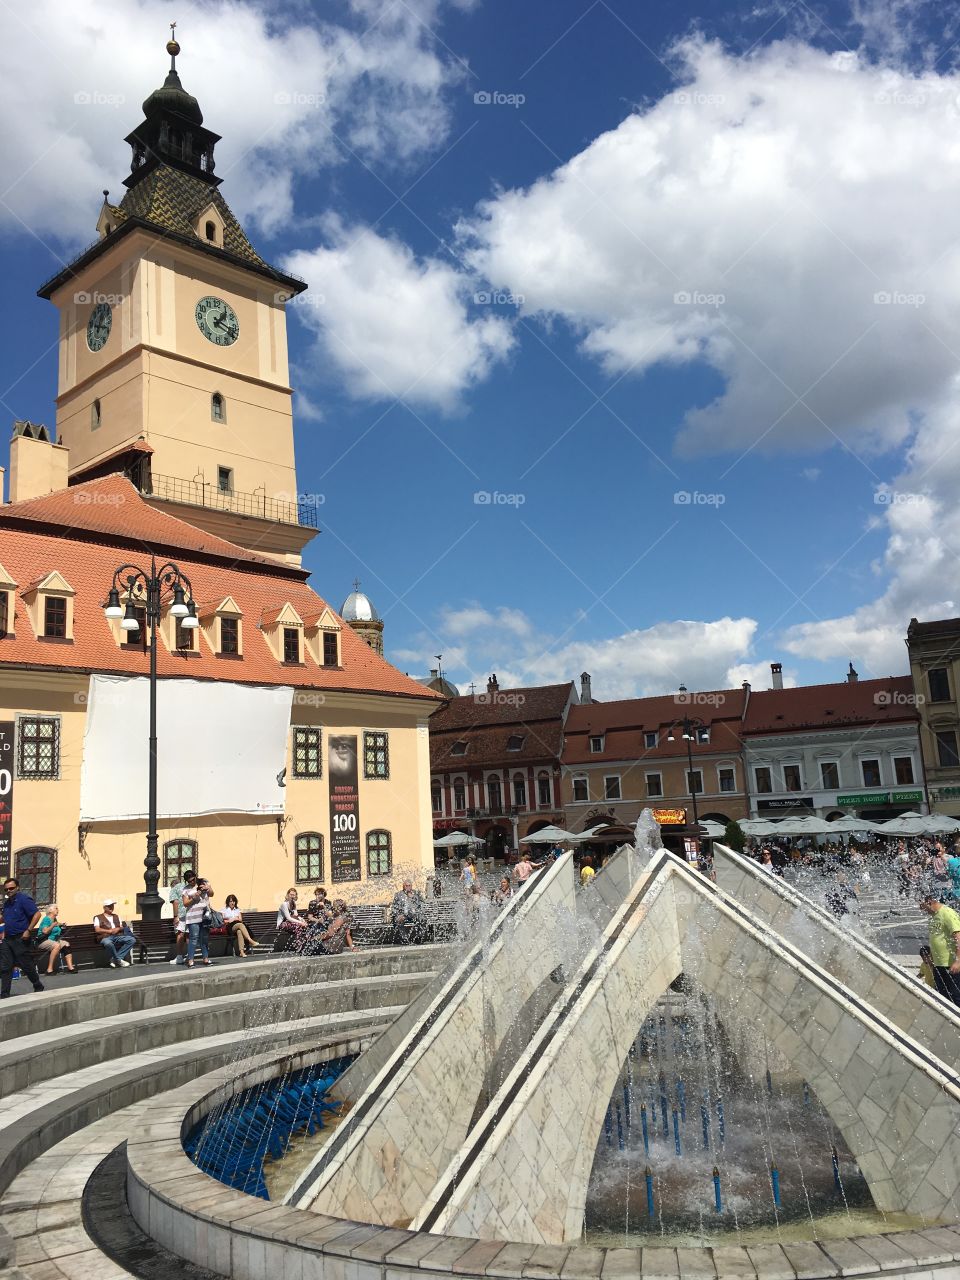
[
  {"x": 130, "y": 620},
  {"x": 190, "y": 620},
  {"x": 112, "y": 609},
  {"x": 179, "y": 607}
]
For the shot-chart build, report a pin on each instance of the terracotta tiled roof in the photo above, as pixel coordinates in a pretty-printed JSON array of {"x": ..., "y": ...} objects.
[
  {"x": 622, "y": 726},
  {"x": 134, "y": 446},
  {"x": 111, "y": 505},
  {"x": 503, "y": 706},
  {"x": 827, "y": 706},
  {"x": 488, "y": 745},
  {"x": 174, "y": 200},
  {"x": 57, "y": 533}
]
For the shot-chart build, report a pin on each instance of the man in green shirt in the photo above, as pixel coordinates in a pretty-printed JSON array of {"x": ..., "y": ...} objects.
[{"x": 944, "y": 932}]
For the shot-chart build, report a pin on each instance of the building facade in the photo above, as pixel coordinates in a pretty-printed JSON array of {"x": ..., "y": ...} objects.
[
  {"x": 495, "y": 763},
  {"x": 290, "y": 751},
  {"x": 833, "y": 749},
  {"x": 934, "y": 652},
  {"x": 620, "y": 758}
]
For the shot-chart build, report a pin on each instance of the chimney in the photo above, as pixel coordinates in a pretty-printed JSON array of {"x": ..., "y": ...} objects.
[
  {"x": 746, "y": 686},
  {"x": 852, "y": 676},
  {"x": 37, "y": 467},
  {"x": 776, "y": 675},
  {"x": 492, "y": 686},
  {"x": 585, "y": 693}
]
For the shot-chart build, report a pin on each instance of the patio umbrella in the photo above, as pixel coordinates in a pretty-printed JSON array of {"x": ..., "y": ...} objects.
[
  {"x": 810, "y": 826},
  {"x": 550, "y": 835},
  {"x": 941, "y": 824},
  {"x": 454, "y": 839},
  {"x": 758, "y": 827},
  {"x": 712, "y": 828},
  {"x": 849, "y": 823},
  {"x": 906, "y": 825}
]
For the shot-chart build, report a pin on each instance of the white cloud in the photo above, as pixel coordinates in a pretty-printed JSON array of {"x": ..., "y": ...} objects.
[
  {"x": 396, "y": 327},
  {"x": 749, "y": 220},
  {"x": 653, "y": 660},
  {"x": 289, "y": 95}
]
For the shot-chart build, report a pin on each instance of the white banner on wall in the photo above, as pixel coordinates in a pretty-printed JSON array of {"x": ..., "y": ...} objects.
[{"x": 220, "y": 747}]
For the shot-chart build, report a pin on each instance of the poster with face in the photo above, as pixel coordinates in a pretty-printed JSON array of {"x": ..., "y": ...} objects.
[
  {"x": 344, "y": 808},
  {"x": 6, "y": 796}
]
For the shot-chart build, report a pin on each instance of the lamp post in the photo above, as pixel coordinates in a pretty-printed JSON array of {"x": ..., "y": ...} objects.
[
  {"x": 126, "y": 580},
  {"x": 693, "y": 730}
]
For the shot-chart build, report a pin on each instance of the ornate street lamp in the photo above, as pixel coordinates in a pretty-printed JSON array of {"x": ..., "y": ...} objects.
[
  {"x": 693, "y": 730},
  {"x": 126, "y": 580}
]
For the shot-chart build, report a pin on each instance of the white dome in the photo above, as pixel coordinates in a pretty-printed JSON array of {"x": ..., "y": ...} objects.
[{"x": 357, "y": 608}]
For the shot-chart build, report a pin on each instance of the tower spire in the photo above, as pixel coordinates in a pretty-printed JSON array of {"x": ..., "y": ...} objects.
[{"x": 172, "y": 47}]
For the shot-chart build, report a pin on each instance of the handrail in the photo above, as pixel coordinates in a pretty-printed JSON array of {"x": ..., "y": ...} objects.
[{"x": 200, "y": 493}]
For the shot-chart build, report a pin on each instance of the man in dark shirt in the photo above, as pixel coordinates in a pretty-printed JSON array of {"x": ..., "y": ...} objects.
[
  {"x": 20, "y": 917},
  {"x": 408, "y": 915}
]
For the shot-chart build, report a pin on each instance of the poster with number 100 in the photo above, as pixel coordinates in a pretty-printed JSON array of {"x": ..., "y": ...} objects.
[
  {"x": 344, "y": 808},
  {"x": 6, "y": 796}
]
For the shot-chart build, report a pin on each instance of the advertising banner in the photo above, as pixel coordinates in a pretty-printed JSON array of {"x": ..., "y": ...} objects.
[
  {"x": 6, "y": 797},
  {"x": 344, "y": 808}
]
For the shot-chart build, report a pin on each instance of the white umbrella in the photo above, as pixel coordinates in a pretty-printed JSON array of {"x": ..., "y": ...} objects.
[
  {"x": 712, "y": 828},
  {"x": 810, "y": 826},
  {"x": 550, "y": 835},
  {"x": 941, "y": 824},
  {"x": 904, "y": 826},
  {"x": 850, "y": 823},
  {"x": 758, "y": 827},
  {"x": 454, "y": 839}
]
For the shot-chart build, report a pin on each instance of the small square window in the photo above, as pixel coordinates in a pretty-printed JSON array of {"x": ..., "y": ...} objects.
[
  {"x": 596, "y": 744},
  {"x": 230, "y": 635},
  {"x": 225, "y": 479},
  {"x": 306, "y": 752},
  {"x": 55, "y": 617},
  {"x": 459, "y": 748},
  {"x": 331, "y": 649},
  {"x": 38, "y": 747},
  {"x": 291, "y": 644},
  {"x": 515, "y": 741},
  {"x": 376, "y": 755},
  {"x": 650, "y": 740}
]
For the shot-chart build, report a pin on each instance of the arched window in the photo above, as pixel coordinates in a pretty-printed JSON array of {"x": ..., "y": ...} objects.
[
  {"x": 179, "y": 856},
  {"x": 95, "y": 416},
  {"x": 218, "y": 407},
  {"x": 210, "y": 231},
  {"x": 36, "y": 869},
  {"x": 379, "y": 853},
  {"x": 519, "y": 791},
  {"x": 308, "y": 863}
]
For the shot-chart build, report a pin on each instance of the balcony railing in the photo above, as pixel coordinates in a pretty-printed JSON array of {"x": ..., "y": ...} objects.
[{"x": 195, "y": 493}]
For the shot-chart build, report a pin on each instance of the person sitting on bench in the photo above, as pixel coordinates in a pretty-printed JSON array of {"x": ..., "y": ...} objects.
[
  {"x": 408, "y": 915},
  {"x": 113, "y": 935}
]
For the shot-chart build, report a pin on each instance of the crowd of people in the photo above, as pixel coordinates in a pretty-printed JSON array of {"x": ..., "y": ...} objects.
[{"x": 924, "y": 870}]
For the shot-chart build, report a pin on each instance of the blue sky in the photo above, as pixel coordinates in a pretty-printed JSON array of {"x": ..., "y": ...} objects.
[{"x": 672, "y": 286}]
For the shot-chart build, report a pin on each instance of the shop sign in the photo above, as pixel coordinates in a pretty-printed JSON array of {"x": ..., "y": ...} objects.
[
  {"x": 786, "y": 802},
  {"x": 948, "y": 793},
  {"x": 906, "y": 797},
  {"x": 866, "y": 797},
  {"x": 670, "y": 817}
]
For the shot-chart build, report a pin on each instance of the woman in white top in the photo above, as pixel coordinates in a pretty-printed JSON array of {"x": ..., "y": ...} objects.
[
  {"x": 288, "y": 918},
  {"x": 233, "y": 919}
]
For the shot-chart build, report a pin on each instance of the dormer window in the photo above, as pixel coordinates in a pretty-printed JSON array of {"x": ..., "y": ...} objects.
[
  {"x": 331, "y": 649},
  {"x": 135, "y": 639},
  {"x": 291, "y": 644},
  {"x": 596, "y": 744},
  {"x": 230, "y": 636},
  {"x": 184, "y": 636},
  {"x": 218, "y": 407},
  {"x": 210, "y": 230},
  {"x": 4, "y": 614},
  {"x": 459, "y": 748},
  {"x": 55, "y": 617},
  {"x": 515, "y": 741}
]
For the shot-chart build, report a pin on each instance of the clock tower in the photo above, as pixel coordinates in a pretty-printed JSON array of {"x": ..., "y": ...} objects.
[{"x": 173, "y": 344}]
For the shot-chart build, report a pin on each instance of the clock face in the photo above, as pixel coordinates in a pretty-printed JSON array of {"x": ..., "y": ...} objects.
[
  {"x": 98, "y": 326},
  {"x": 217, "y": 321}
]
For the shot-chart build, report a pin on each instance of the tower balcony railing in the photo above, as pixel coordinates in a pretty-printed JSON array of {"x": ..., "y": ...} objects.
[{"x": 197, "y": 493}]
